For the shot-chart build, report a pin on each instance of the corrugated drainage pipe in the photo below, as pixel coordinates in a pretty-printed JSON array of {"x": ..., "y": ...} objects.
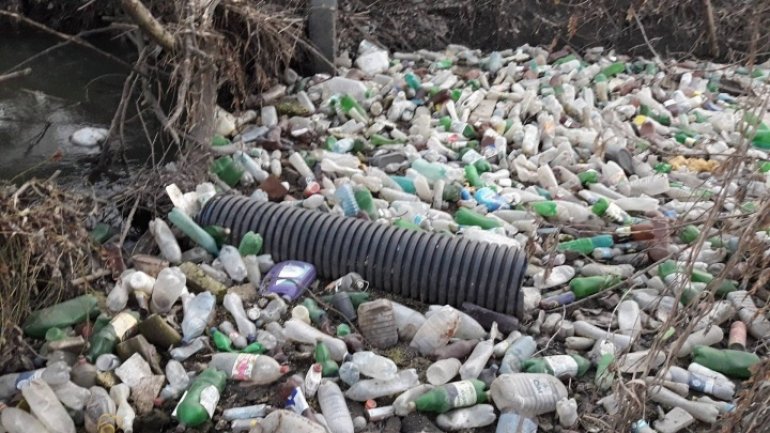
[{"x": 429, "y": 267}]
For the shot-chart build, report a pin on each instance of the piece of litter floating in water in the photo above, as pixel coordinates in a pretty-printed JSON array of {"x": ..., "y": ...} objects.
[{"x": 88, "y": 136}]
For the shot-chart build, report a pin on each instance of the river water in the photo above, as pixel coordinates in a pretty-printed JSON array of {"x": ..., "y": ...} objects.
[{"x": 69, "y": 88}]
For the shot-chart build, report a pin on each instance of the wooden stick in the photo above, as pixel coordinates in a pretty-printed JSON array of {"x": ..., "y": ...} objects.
[
  {"x": 88, "y": 278},
  {"x": 143, "y": 17},
  {"x": 17, "y": 74},
  {"x": 712, "y": 28}
]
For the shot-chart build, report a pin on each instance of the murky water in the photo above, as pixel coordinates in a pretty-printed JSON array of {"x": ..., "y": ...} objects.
[{"x": 69, "y": 88}]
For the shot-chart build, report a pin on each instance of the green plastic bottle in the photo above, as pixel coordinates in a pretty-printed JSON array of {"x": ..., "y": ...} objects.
[
  {"x": 589, "y": 176},
  {"x": 251, "y": 244},
  {"x": 405, "y": 183},
  {"x": 105, "y": 340},
  {"x": 604, "y": 376},
  {"x": 227, "y": 169},
  {"x": 614, "y": 69},
  {"x": 412, "y": 81},
  {"x": 343, "y": 330},
  {"x": 67, "y": 313},
  {"x": 219, "y": 140},
  {"x": 356, "y": 298},
  {"x": 184, "y": 223},
  {"x": 219, "y": 234},
  {"x": 221, "y": 341},
  {"x": 732, "y": 363},
  {"x": 452, "y": 395},
  {"x": 467, "y": 217},
  {"x": 472, "y": 176},
  {"x": 329, "y": 367},
  {"x": 482, "y": 165},
  {"x": 547, "y": 209},
  {"x": 255, "y": 347},
  {"x": 762, "y": 137},
  {"x": 349, "y": 104},
  {"x": 197, "y": 405},
  {"x": 432, "y": 170},
  {"x": 663, "y": 167},
  {"x": 587, "y": 245},
  {"x": 587, "y": 286},
  {"x": 381, "y": 140},
  {"x": 689, "y": 234},
  {"x": 365, "y": 202},
  {"x": 557, "y": 365}
]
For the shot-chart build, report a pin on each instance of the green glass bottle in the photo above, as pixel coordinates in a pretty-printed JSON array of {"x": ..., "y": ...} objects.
[
  {"x": 255, "y": 347},
  {"x": 67, "y": 313},
  {"x": 228, "y": 170},
  {"x": 587, "y": 286},
  {"x": 452, "y": 395},
  {"x": 472, "y": 176},
  {"x": 467, "y": 217},
  {"x": 587, "y": 245},
  {"x": 689, "y": 234},
  {"x": 329, "y": 367},
  {"x": 105, "y": 340},
  {"x": 221, "y": 341},
  {"x": 251, "y": 244},
  {"x": 558, "y": 365},
  {"x": 197, "y": 405},
  {"x": 731, "y": 363}
]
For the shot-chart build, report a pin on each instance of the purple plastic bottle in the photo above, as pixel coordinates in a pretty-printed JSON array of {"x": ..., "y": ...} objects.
[{"x": 289, "y": 279}]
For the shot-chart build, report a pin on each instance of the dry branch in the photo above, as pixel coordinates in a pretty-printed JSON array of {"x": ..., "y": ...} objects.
[
  {"x": 17, "y": 74},
  {"x": 144, "y": 19}
]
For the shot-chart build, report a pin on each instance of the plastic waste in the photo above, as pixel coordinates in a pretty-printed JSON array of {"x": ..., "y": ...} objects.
[
  {"x": 450, "y": 396},
  {"x": 100, "y": 412},
  {"x": 166, "y": 241},
  {"x": 45, "y": 406},
  {"x": 527, "y": 393},
  {"x": 198, "y": 403},
  {"x": 198, "y": 313},
  {"x": 234, "y": 305},
  {"x": 334, "y": 408},
  {"x": 257, "y": 369},
  {"x": 169, "y": 286},
  {"x": 477, "y": 416}
]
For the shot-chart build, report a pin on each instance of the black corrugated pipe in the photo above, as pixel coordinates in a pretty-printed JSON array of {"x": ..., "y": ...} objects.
[{"x": 428, "y": 267}]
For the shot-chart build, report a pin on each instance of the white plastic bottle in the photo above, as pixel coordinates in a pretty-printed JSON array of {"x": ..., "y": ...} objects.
[
  {"x": 72, "y": 396},
  {"x": 469, "y": 328},
  {"x": 480, "y": 415},
  {"x": 252, "y": 267},
  {"x": 168, "y": 287},
  {"x": 527, "y": 393},
  {"x": 402, "y": 406},
  {"x": 245, "y": 412},
  {"x": 125, "y": 414},
  {"x": 197, "y": 315},
  {"x": 373, "y": 365},
  {"x": 706, "y": 337},
  {"x": 334, "y": 408},
  {"x": 166, "y": 241},
  {"x": 566, "y": 409},
  {"x": 100, "y": 412},
  {"x": 239, "y": 341},
  {"x": 183, "y": 352},
  {"x": 520, "y": 350},
  {"x": 233, "y": 262},
  {"x": 285, "y": 421},
  {"x": 408, "y": 321},
  {"x": 629, "y": 318},
  {"x": 257, "y": 369},
  {"x": 436, "y": 331},
  {"x": 47, "y": 408},
  {"x": 443, "y": 371},
  {"x": 18, "y": 421},
  {"x": 118, "y": 296},
  {"x": 177, "y": 378},
  {"x": 477, "y": 360},
  {"x": 313, "y": 380},
  {"x": 301, "y": 332},
  {"x": 371, "y": 389},
  {"x": 233, "y": 303}
]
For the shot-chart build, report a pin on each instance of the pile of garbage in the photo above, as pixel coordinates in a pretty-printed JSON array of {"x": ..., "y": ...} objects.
[{"x": 637, "y": 189}]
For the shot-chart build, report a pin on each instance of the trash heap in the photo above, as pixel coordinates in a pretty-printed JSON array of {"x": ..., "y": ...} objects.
[{"x": 638, "y": 189}]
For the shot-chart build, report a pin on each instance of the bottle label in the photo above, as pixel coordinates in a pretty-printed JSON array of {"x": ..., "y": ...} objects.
[
  {"x": 701, "y": 384},
  {"x": 123, "y": 323},
  {"x": 296, "y": 401},
  {"x": 461, "y": 394},
  {"x": 25, "y": 378},
  {"x": 209, "y": 399},
  {"x": 243, "y": 366},
  {"x": 562, "y": 365}
]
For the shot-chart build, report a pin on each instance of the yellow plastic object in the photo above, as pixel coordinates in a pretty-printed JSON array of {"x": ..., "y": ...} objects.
[{"x": 693, "y": 164}]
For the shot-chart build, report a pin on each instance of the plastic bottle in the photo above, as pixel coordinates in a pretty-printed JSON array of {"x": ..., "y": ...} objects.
[
  {"x": 183, "y": 352},
  {"x": 47, "y": 408},
  {"x": 120, "y": 327},
  {"x": 72, "y": 396},
  {"x": 349, "y": 373},
  {"x": 166, "y": 241},
  {"x": 169, "y": 285},
  {"x": 450, "y": 396},
  {"x": 733, "y": 363},
  {"x": 197, "y": 405},
  {"x": 100, "y": 412},
  {"x": 467, "y": 217},
  {"x": 301, "y": 332},
  {"x": 629, "y": 318},
  {"x": 722, "y": 389},
  {"x": 178, "y": 381},
  {"x": 251, "y": 244},
  {"x": 587, "y": 286},
  {"x": 757, "y": 323},
  {"x": 373, "y": 365},
  {"x": 558, "y": 365},
  {"x": 313, "y": 379},
  {"x": 238, "y": 340},
  {"x": 403, "y": 404},
  {"x": 199, "y": 311},
  {"x": 62, "y": 315},
  {"x": 436, "y": 331},
  {"x": 284, "y": 421},
  {"x": 518, "y": 352},
  {"x": 253, "y": 271},
  {"x": 18, "y": 421},
  {"x": 373, "y": 388},
  {"x": 344, "y": 194},
  {"x": 299, "y": 164},
  {"x": 233, "y": 263},
  {"x": 469, "y": 328},
  {"x": 257, "y": 369},
  {"x": 322, "y": 356},
  {"x": 477, "y": 360},
  {"x": 118, "y": 296},
  {"x": 527, "y": 393},
  {"x": 245, "y": 412},
  {"x": 233, "y": 303},
  {"x": 442, "y": 371},
  {"x": 408, "y": 321},
  {"x": 473, "y": 417},
  {"x": 334, "y": 408},
  {"x": 587, "y": 245},
  {"x": 566, "y": 409},
  {"x": 706, "y": 337},
  {"x": 184, "y": 223},
  {"x": 511, "y": 422}
]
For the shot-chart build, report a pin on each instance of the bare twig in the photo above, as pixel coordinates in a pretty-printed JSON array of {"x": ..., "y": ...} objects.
[
  {"x": 13, "y": 75},
  {"x": 143, "y": 17},
  {"x": 712, "y": 28}
]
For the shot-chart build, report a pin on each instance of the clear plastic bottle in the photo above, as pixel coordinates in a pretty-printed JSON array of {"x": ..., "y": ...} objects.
[
  {"x": 285, "y": 421},
  {"x": 519, "y": 351},
  {"x": 183, "y": 352},
  {"x": 239, "y": 341},
  {"x": 100, "y": 412},
  {"x": 273, "y": 311},
  {"x": 373, "y": 365},
  {"x": 477, "y": 360},
  {"x": 403, "y": 406},
  {"x": 125, "y": 415},
  {"x": 347, "y": 200},
  {"x": 18, "y": 421},
  {"x": 313, "y": 379},
  {"x": 56, "y": 373},
  {"x": 527, "y": 393},
  {"x": 197, "y": 315},
  {"x": 72, "y": 396},
  {"x": 168, "y": 287},
  {"x": 233, "y": 262},
  {"x": 118, "y": 296},
  {"x": 253, "y": 271},
  {"x": 301, "y": 332},
  {"x": 245, "y": 412},
  {"x": 47, "y": 408},
  {"x": 436, "y": 331},
  {"x": 233, "y": 303},
  {"x": 257, "y": 369},
  {"x": 511, "y": 422},
  {"x": 178, "y": 381},
  {"x": 166, "y": 241},
  {"x": 334, "y": 408},
  {"x": 349, "y": 373},
  {"x": 371, "y": 389},
  {"x": 443, "y": 371},
  {"x": 480, "y": 415},
  {"x": 408, "y": 321},
  {"x": 629, "y": 318},
  {"x": 469, "y": 328}
]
